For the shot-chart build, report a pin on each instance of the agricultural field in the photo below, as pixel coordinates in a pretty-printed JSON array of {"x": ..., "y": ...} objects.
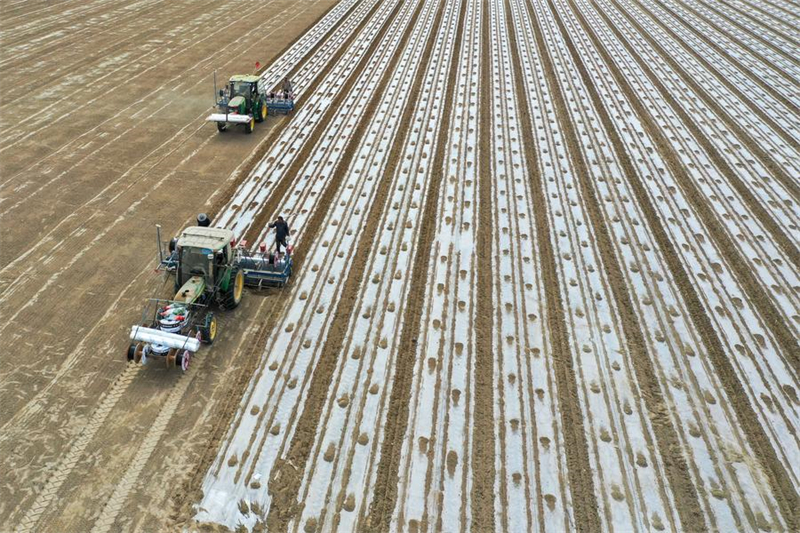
[{"x": 546, "y": 272}]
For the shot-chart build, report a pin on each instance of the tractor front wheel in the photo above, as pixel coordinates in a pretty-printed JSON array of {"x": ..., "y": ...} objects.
[
  {"x": 208, "y": 331},
  {"x": 250, "y": 126},
  {"x": 233, "y": 295},
  {"x": 221, "y": 126}
]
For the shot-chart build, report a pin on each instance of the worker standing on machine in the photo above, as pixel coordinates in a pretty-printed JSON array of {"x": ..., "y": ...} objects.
[
  {"x": 286, "y": 87},
  {"x": 281, "y": 233}
]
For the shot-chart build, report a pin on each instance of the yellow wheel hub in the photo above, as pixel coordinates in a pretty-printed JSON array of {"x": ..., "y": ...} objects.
[
  {"x": 238, "y": 286},
  {"x": 212, "y": 329},
  {"x": 263, "y": 111}
]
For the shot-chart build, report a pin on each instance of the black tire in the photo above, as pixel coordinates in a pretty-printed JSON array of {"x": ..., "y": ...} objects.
[
  {"x": 261, "y": 112},
  {"x": 131, "y": 352},
  {"x": 222, "y": 127},
  {"x": 250, "y": 126},
  {"x": 208, "y": 331},
  {"x": 232, "y": 297}
]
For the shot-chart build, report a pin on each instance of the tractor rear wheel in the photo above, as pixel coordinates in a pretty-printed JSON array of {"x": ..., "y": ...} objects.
[
  {"x": 250, "y": 126},
  {"x": 233, "y": 295},
  {"x": 208, "y": 331},
  {"x": 221, "y": 126},
  {"x": 262, "y": 112}
]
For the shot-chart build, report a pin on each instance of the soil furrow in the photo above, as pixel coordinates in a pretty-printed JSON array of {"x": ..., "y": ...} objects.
[
  {"x": 676, "y": 466},
  {"x": 384, "y": 498},
  {"x": 356, "y": 346},
  {"x": 786, "y": 494},
  {"x": 670, "y": 449},
  {"x": 275, "y": 199},
  {"x": 772, "y": 17},
  {"x": 431, "y": 207},
  {"x": 484, "y": 447},
  {"x": 280, "y": 190},
  {"x": 288, "y": 470},
  {"x": 78, "y": 38},
  {"x": 741, "y": 15},
  {"x": 190, "y": 490},
  {"x": 756, "y": 53}
]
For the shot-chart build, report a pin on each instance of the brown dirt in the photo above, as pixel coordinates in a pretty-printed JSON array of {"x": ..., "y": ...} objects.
[
  {"x": 578, "y": 467},
  {"x": 483, "y": 451},
  {"x": 109, "y": 171}
]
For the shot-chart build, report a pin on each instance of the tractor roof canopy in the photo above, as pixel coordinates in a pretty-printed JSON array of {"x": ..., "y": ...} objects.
[
  {"x": 246, "y": 78},
  {"x": 199, "y": 237}
]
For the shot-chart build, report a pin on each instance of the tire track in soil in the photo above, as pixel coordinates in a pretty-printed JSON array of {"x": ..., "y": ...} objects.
[
  {"x": 190, "y": 490},
  {"x": 45, "y": 498},
  {"x": 314, "y": 227},
  {"x": 675, "y": 464},
  {"x": 787, "y": 181},
  {"x": 754, "y": 290},
  {"x": 484, "y": 446},
  {"x": 785, "y": 492},
  {"x": 581, "y": 485},
  {"x": 147, "y": 445},
  {"x": 790, "y": 104},
  {"x": 95, "y": 54},
  {"x": 44, "y": 27},
  {"x": 778, "y": 173},
  {"x": 172, "y": 55},
  {"x": 112, "y": 394},
  {"x": 288, "y": 471}
]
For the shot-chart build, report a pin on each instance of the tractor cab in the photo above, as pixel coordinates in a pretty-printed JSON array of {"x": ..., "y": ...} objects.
[
  {"x": 242, "y": 92},
  {"x": 204, "y": 260}
]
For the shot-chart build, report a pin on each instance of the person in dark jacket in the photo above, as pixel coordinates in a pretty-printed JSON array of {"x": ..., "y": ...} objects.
[{"x": 281, "y": 232}]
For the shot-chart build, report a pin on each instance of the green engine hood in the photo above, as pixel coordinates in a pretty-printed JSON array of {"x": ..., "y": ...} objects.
[
  {"x": 191, "y": 290},
  {"x": 236, "y": 102}
]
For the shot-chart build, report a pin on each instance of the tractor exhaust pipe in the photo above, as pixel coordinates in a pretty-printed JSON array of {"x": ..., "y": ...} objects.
[{"x": 158, "y": 242}]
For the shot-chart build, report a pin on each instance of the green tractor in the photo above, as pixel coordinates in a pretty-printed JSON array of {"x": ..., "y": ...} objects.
[
  {"x": 243, "y": 102},
  {"x": 207, "y": 272}
]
